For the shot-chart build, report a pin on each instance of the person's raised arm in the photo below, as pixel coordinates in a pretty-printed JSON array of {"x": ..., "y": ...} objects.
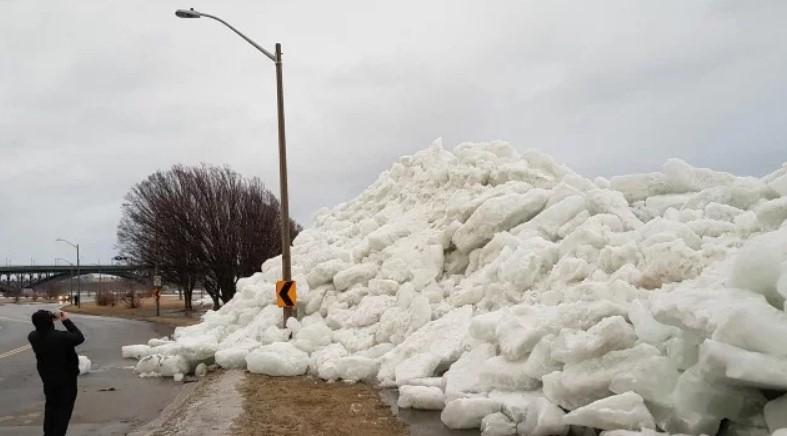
[{"x": 74, "y": 334}]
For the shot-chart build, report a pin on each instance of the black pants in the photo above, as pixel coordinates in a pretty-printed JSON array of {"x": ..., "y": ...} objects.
[{"x": 60, "y": 398}]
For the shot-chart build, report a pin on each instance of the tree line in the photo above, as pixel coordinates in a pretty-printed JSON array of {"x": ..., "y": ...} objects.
[{"x": 201, "y": 225}]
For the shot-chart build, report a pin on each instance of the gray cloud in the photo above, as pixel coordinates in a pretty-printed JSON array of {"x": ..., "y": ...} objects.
[{"x": 95, "y": 95}]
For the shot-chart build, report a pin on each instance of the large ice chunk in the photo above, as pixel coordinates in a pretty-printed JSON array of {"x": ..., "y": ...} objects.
[
  {"x": 540, "y": 362},
  {"x": 442, "y": 337},
  {"x": 740, "y": 367},
  {"x": 676, "y": 420},
  {"x": 84, "y": 365},
  {"x": 235, "y": 356},
  {"x": 636, "y": 187},
  {"x": 484, "y": 326},
  {"x": 646, "y": 327},
  {"x": 421, "y": 397},
  {"x": 700, "y": 310},
  {"x": 497, "y": 424},
  {"x": 274, "y": 334},
  {"x": 498, "y": 214},
  {"x": 623, "y": 411},
  {"x": 134, "y": 351},
  {"x": 684, "y": 350},
  {"x": 682, "y": 177},
  {"x": 387, "y": 235},
  {"x": 518, "y": 335},
  {"x": 695, "y": 393},
  {"x": 670, "y": 261},
  {"x": 551, "y": 219},
  {"x": 278, "y": 359},
  {"x": 779, "y": 184},
  {"x": 324, "y": 272},
  {"x": 654, "y": 380},
  {"x": 356, "y": 368},
  {"x": 755, "y": 327},
  {"x": 519, "y": 331},
  {"x": 313, "y": 336},
  {"x": 370, "y": 309},
  {"x": 612, "y": 333},
  {"x": 499, "y": 373},
  {"x": 658, "y": 204},
  {"x": 154, "y": 365},
  {"x": 360, "y": 273},
  {"x": 468, "y": 412},
  {"x": 772, "y": 214},
  {"x": 323, "y": 361},
  {"x": 417, "y": 366},
  {"x": 757, "y": 266},
  {"x": 515, "y": 404},
  {"x": 543, "y": 419},
  {"x": 530, "y": 261},
  {"x": 464, "y": 376},
  {"x": 585, "y": 382}
]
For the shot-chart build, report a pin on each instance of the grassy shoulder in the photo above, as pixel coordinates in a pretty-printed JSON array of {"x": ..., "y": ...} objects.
[
  {"x": 300, "y": 406},
  {"x": 172, "y": 312}
]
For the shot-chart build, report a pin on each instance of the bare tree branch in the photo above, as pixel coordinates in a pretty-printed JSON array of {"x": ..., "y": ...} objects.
[{"x": 203, "y": 225}]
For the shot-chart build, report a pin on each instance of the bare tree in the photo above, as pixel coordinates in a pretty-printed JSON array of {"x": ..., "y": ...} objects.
[{"x": 203, "y": 225}]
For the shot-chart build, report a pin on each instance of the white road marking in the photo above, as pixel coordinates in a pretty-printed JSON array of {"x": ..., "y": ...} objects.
[
  {"x": 15, "y": 351},
  {"x": 9, "y": 319}
]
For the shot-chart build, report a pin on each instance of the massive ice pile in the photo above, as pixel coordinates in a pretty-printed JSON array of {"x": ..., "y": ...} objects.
[{"x": 521, "y": 297}]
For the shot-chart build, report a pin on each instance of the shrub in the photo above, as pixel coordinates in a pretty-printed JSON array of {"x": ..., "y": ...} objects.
[{"x": 105, "y": 298}]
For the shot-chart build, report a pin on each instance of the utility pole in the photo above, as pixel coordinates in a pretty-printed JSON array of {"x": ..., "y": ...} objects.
[
  {"x": 79, "y": 281},
  {"x": 286, "y": 288},
  {"x": 286, "y": 260}
]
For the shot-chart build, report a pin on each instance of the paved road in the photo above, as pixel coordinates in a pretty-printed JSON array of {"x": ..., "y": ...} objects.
[{"x": 99, "y": 410}]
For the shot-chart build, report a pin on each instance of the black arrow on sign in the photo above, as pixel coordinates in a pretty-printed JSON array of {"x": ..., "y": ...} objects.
[{"x": 284, "y": 294}]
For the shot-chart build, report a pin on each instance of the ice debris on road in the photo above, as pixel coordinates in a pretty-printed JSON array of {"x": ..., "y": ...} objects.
[
  {"x": 519, "y": 296},
  {"x": 84, "y": 365}
]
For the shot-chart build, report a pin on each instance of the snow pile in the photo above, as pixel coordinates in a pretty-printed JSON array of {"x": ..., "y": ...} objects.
[{"x": 517, "y": 295}]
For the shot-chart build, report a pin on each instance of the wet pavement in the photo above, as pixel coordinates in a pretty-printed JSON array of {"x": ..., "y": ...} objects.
[
  {"x": 111, "y": 399},
  {"x": 422, "y": 422}
]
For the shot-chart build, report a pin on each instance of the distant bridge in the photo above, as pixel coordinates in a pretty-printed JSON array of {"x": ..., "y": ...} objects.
[{"x": 15, "y": 277}]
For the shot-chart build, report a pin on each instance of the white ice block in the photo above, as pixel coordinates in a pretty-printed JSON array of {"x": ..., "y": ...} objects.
[{"x": 623, "y": 411}]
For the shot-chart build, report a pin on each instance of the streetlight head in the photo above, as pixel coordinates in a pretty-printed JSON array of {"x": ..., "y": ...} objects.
[{"x": 187, "y": 13}]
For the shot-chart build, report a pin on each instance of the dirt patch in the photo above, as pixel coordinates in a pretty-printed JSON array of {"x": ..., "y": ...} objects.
[
  {"x": 172, "y": 312},
  {"x": 300, "y": 406}
]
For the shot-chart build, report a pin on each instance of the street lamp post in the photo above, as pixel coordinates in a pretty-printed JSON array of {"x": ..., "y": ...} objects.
[
  {"x": 79, "y": 279},
  {"x": 70, "y": 279},
  {"x": 285, "y": 208}
]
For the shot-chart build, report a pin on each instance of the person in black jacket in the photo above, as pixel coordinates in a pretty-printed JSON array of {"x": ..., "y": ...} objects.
[{"x": 58, "y": 366}]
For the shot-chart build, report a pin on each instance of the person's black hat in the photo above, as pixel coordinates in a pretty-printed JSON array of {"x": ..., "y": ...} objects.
[{"x": 43, "y": 320}]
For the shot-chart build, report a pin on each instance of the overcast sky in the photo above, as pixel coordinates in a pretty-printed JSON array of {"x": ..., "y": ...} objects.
[{"x": 97, "y": 94}]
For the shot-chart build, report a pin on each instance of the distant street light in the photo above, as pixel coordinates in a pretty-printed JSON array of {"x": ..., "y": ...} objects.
[
  {"x": 285, "y": 208},
  {"x": 70, "y": 279},
  {"x": 79, "y": 279}
]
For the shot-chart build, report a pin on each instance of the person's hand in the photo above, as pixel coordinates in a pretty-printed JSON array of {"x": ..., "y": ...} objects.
[{"x": 63, "y": 316}]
